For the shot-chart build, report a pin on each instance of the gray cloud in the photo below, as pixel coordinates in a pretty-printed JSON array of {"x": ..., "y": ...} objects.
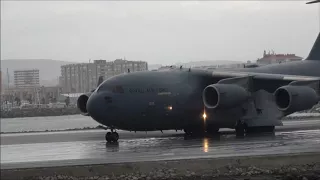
[{"x": 158, "y": 32}]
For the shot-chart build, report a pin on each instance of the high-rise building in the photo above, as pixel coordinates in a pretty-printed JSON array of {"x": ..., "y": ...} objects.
[
  {"x": 26, "y": 78},
  {"x": 83, "y": 77}
]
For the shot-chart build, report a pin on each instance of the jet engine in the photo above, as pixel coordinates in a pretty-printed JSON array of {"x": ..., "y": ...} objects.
[
  {"x": 295, "y": 98},
  {"x": 82, "y": 103},
  {"x": 224, "y": 96},
  {"x": 83, "y": 99}
]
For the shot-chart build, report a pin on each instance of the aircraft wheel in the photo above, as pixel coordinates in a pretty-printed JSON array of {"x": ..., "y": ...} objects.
[
  {"x": 115, "y": 136},
  {"x": 108, "y": 137},
  {"x": 112, "y": 137}
]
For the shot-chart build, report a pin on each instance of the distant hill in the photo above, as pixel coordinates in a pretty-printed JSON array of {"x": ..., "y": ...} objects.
[{"x": 49, "y": 69}]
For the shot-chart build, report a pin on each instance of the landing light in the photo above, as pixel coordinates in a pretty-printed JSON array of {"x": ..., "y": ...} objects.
[
  {"x": 170, "y": 107},
  {"x": 204, "y": 116}
]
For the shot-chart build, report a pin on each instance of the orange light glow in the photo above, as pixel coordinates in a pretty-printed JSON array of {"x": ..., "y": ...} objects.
[
  {"x": 204, "y": 116},
  {"x": 205, "y": 145}
]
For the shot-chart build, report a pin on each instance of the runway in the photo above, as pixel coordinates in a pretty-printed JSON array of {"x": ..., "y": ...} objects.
[
  {"x": 98, "y": 135},
  {"x": 88, "y": 147}
]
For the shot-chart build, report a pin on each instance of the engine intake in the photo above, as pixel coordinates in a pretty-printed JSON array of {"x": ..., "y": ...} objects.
[
  {"x": 295, "y": 98},
  {"x": 224, "y": 96},
  {"x": 82, "y": 103}
]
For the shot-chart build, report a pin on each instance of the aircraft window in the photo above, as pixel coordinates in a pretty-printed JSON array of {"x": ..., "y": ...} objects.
[{"x": 114, "y": 89}]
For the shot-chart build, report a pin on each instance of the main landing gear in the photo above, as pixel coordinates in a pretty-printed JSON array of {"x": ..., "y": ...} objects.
[
  {"x": 112, "y": 137},
  {"x": 242, "y": 129}
]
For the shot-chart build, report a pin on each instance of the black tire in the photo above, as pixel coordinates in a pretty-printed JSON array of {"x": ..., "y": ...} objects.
[
  {"x": 108, "y": 137},
  {"x": 115, "y": 136}
]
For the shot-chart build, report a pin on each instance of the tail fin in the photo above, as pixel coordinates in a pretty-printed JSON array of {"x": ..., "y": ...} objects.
[
  {"x": 315, "y": 51},
  {"x": 100, "y": 80}
]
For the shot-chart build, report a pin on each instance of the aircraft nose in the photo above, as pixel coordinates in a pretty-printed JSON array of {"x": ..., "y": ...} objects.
[{"x": 98, "y": 104}]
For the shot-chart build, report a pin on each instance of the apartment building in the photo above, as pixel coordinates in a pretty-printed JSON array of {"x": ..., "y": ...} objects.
[
  {"x": 83, "y": 77},
  {"x": 273, "y": 58},
  {"x": 26, "y": 78}
]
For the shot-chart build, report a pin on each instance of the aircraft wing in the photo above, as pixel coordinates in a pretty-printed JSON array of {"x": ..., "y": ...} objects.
[
  {"x": 291, "y": 93},
  {"x": 267, "y": 76},
  {"x": 266, "y": 81}
]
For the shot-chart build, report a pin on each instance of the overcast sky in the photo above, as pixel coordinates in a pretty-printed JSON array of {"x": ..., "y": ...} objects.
[{"x": 156, "y": 31}]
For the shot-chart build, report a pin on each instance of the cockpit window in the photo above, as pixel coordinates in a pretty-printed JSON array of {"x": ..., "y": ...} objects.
[{"x": 114, "y": 89}]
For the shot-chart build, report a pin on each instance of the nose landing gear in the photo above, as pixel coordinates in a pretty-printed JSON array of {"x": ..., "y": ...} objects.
[{"x": 112, "y": 137}]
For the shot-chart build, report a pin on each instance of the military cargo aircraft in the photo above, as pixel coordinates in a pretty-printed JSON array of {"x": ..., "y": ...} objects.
[{"x": 197, "y": 101}]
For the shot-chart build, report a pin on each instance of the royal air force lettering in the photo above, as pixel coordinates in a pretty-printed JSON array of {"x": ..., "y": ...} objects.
[{"x": 148, "y": 90}]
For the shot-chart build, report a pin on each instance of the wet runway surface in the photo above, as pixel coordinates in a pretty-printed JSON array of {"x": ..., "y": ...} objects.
[
  {"x": 46, "y": 123},
  {"x": 70, "y": 122},
  {"x": 89, "y": 147},
  {"x": 98, "y": 135}
]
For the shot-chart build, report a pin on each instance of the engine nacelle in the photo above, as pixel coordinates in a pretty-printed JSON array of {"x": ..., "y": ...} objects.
[
  {"x": 295, "y": 98},
  {"x": 224, "y": 95},
  {"x": 82, "y": 103}
]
